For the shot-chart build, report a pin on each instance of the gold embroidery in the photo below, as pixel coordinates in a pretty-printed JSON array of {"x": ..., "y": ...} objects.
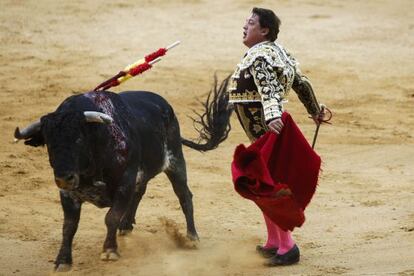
[
  {"x": 275, "y": 55},
  {"x": 247, "y": 96},
  {"x": 244, "y": 121},
  {"x": 257, "y": 128},
  {"x": 254, "y": 110},
  {"x": 273, "y": 72}
]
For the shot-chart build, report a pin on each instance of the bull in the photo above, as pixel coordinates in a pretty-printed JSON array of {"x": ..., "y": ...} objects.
[{"x": 105, "y": 147}]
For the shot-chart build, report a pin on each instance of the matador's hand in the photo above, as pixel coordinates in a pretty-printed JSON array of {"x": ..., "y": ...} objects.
[
  {"x": 321, "y": 116},
  {"x": 276, "y": 125}
]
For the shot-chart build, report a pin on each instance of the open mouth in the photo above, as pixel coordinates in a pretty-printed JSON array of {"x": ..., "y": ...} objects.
[{"x": 244, "y": 34}]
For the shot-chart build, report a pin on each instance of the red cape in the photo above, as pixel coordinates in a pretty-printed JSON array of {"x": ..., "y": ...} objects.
[{"x": 279, "y": 173}]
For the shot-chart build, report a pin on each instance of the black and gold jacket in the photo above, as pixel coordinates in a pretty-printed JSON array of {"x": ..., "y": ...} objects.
[{"x": 266, "y": 74}]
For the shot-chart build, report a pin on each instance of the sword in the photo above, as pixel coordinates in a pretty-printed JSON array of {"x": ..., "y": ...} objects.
[
  {"x": 315, "y": 136},
  {"x": 323, "y": 108}
]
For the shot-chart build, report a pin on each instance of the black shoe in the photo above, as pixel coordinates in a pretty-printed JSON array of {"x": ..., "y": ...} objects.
[
  {"x": 266, "y": 252},
  {"x": 289, "y": 258}
]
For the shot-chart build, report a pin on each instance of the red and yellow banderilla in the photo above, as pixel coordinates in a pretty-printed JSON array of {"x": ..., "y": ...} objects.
[{"x": 135, "y": 68}]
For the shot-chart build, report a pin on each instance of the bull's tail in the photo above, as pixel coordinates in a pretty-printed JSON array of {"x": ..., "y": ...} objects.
[{"x": 213, "y": 125}]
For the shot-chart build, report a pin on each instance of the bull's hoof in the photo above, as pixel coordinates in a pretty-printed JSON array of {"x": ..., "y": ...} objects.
[
  {"x": 192, "y": 244},
  {"x": 192, "y": 241},
  {"x": 110, "y": 255},
  {"x": 125, "y": 232},
  {"x": 193, "y": 237},
  {"x": 63, "y": 267}
]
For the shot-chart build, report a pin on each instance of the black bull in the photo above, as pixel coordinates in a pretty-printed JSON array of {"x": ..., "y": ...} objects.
[{"x": 105, "y": 147}]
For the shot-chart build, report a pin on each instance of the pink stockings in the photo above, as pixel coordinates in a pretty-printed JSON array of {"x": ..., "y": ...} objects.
[{"x": 277, "y": 238}]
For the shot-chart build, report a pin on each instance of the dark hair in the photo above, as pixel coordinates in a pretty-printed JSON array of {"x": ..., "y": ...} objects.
[{"x": 268, "y": 19}]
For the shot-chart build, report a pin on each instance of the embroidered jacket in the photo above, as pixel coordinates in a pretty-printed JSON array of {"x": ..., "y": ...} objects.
[{"x": 266, "y": 74}]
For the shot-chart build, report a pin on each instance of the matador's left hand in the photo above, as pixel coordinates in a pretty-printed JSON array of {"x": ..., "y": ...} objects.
[{"x": 320, "y": 117}]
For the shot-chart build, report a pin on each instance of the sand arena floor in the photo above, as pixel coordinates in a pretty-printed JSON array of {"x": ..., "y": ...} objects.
[{"x": 359, "y": 56}]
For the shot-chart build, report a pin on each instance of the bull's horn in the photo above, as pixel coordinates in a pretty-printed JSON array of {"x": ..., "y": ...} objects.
[
  {"x": 26, "y": 132},
  {"x": 97, "y": 117}
]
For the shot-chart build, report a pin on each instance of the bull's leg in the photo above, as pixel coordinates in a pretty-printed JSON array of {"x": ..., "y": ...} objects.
[
  {"x": 113, "y": 218},
  {"x": 177, "y": 174},
  {"x": 125, "y": 226},
  {"x": 71, "y": 211},
  {"x": 129, "y": 218}
]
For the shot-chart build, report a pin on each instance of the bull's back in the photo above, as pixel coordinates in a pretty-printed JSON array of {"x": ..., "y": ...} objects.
[{"x": 146, "y": 103}]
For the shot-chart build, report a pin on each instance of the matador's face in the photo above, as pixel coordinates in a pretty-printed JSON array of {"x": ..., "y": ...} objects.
[{"x": 253, "y": 33}]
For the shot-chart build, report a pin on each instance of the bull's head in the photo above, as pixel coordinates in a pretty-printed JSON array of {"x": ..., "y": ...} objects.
[{"x": 65, "y": 136}]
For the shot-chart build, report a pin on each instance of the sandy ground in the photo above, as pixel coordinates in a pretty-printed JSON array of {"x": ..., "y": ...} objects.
[{"x": 359, "y": 55}]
